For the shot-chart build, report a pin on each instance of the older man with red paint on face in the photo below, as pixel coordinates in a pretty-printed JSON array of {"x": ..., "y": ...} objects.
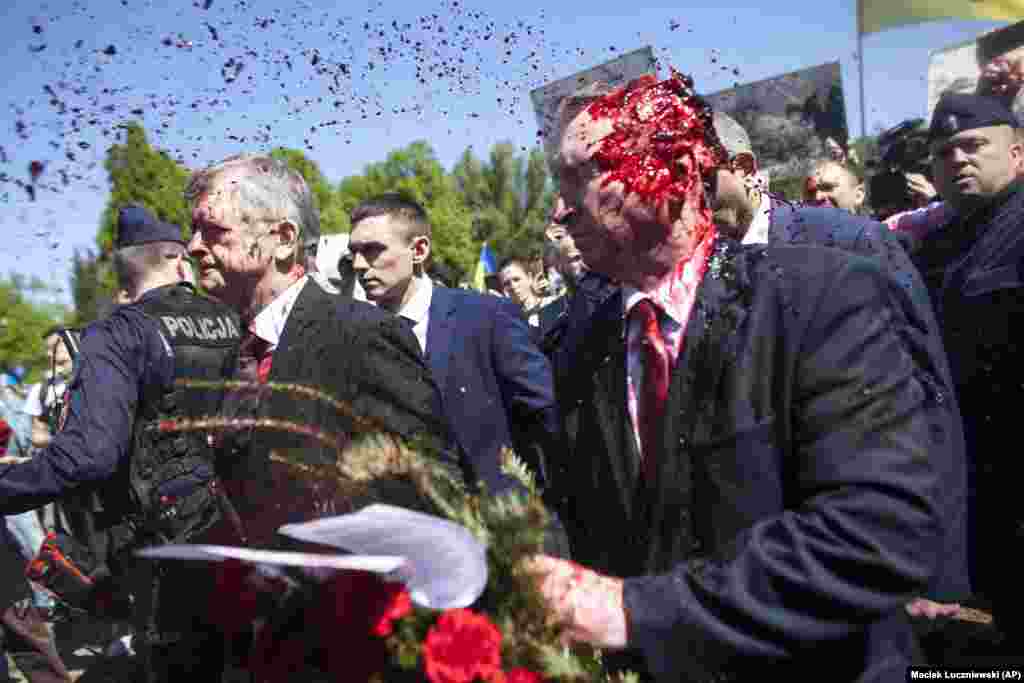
[
  {"x": 254, "y": 224},
  {"x": 751, "y": 432}
]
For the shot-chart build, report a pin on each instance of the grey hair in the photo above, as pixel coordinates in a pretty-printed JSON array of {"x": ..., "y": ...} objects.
[
  {"x": 267, "y": 188},
  {"x": 135, "y": 263},
  {"x": 568, "y": 109}
]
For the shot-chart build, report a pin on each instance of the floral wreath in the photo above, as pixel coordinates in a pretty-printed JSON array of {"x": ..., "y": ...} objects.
[{"x": 509, "y": 635}]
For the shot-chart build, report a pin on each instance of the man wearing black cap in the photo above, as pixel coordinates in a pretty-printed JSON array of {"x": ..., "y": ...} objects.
[
  {"x": 150, "y": 486},
  {"x": 974, "y": 266}
]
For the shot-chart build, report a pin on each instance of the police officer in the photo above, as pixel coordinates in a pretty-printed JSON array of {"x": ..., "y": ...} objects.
[
  {"x": 151, "y": 486},
  {"x": 974, "y": 268}
]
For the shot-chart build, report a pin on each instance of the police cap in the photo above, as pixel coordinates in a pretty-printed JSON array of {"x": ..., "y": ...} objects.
[
  {"x": 957, "y": 112},
  {"x": 136, "y": 225}
]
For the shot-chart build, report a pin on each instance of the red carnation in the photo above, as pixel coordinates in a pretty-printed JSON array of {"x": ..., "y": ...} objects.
[
  {"x": 522, "y": 675},
  {"x": 461, "y": 647},
  {"x": 354, "y": 613},
  {"x": 399, "y": 605}
]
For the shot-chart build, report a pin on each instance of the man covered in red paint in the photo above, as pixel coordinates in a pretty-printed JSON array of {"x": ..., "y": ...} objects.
[{"x": 753, "y": 429}]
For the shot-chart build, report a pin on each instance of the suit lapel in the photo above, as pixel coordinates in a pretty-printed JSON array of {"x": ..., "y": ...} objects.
[
  {"x": 711, "y": 335},
  {"x": 608, "y": 361},
  {"x": 285, "y": 360},
  {"x": 440, "y": 333}
]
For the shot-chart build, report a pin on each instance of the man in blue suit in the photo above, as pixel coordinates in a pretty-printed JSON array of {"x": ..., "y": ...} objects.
[{"x": 496, "y": 385}]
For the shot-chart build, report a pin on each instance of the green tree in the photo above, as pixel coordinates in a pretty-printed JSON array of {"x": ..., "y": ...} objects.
[
  {"x": 415, "y": 172},
  {"x": 332, "y": 218},
  {"x": 140, "y": 174},
  {"x": 509, "y": 196},
  {"x": 22, "y": 324}
]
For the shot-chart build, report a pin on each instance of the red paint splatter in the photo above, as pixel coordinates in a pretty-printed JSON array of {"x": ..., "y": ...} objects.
[
  {"x": 663, "y": 145},
  {"x": 810, "y": 187}
]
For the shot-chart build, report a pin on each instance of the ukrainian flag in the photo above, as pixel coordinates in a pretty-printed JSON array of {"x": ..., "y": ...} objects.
[
  {"x": 484, "y": 267},
  {"x": 877, "y": 15}
]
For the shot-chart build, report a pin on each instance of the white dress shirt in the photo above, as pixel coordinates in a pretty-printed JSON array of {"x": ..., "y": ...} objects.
[
  {"x": 417, "y": 309},
  {"x": 269, "y": 323},
  {"x": 761, "y": 223},
  {"x": 673, "y": 297}
]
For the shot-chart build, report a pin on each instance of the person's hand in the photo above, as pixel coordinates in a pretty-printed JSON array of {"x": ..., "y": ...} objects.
[
  {"x": 921, "y": 190},
  {"x": 922, "y": 607},
  {"x": 588, "y": 604},
  {"x": 541, "y": 287}
]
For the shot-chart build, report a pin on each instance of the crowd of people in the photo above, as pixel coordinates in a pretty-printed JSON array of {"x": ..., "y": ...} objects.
[{"x": 772, "y": 433}]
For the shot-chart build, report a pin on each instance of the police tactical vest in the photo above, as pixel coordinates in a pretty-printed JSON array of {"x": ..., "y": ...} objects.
[{"x": 172, "y": 485}]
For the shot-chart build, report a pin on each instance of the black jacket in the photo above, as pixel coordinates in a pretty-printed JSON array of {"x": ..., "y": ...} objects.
[
  {"x": 359, "y": 356},
  {"x": 796, "y": 508},
  {"x": 834, "y": 228}
]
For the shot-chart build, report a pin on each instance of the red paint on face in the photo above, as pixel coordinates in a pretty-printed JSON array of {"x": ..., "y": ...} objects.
[
  {"x": 810, "y": 187},
  {"x": 663, "y": 144}
]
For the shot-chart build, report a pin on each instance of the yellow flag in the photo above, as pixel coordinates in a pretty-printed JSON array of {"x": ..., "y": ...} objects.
[{"x": 877, "y": 15}]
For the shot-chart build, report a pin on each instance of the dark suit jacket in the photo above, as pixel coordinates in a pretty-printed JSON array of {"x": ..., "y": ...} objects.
[
  {"x": 794, "y": 511},
  {"x": 496, "y": 385},
  {"x": 357, "y": 355},
  {"x": 830, "y": 227}
]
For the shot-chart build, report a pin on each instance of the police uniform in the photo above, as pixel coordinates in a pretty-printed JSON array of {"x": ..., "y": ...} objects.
[
  {"x": 974, "y": 268},
  {"x": 153, "y": 486}
]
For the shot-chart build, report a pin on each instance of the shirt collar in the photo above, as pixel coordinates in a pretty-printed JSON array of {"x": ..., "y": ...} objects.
[
  {"x": 761, "y": 224},
  {"x": 418, "y": 306},
  {"x": 269, "y": 323},
  {"x": 671, "y": 295}
]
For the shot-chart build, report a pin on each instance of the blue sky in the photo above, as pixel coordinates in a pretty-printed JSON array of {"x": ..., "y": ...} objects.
[{"x": 313, "y": 71}]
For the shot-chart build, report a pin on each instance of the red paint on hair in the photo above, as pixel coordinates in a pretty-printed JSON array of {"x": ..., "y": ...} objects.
[{"x": 663, "y": 144}]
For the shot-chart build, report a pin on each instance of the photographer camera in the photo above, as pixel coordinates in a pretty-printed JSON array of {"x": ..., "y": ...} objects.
[{"x": 902, "y": 177}]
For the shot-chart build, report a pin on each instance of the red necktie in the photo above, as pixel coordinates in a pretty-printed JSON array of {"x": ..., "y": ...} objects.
[
  {"x": 254, "y": 352},
  {"x": 654, "y": 390}
]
